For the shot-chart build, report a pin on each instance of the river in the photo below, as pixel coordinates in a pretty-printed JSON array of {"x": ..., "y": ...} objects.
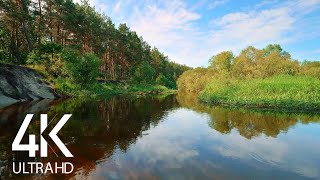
[{"x": 168, "y": 137}]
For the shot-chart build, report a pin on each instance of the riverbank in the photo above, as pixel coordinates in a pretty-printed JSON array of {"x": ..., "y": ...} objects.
[
  {"x": 20, "y": 83},
  {"x": 284, "y": 92},
  {"x": 64, "y": 87}
]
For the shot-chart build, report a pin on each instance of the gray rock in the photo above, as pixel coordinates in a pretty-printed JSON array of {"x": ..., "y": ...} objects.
[{"x": 20, "y": 83}]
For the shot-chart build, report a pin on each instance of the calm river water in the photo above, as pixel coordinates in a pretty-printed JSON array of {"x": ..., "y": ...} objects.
[{"x": 171, "y": 137}]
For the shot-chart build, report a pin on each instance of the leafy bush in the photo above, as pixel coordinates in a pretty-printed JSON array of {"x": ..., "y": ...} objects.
[
  {"x": 82, "y": 68},
  {"x": 195, "y": 80},
  {"x": 49, "y": 56},
  {"x": 267, "y": 78},
  {"x": 311, "y": 69},
  {"x": 163, "y": 80},
  {"x": 34, "y": 57}
]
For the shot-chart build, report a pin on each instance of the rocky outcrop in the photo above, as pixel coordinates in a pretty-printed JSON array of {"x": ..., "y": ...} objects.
[{"x": 20, "y": 84}]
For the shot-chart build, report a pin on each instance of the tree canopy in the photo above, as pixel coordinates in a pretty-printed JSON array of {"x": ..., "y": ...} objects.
[
  {"x": 37, "y": 32},
  {"x": 250, "y": 63}
]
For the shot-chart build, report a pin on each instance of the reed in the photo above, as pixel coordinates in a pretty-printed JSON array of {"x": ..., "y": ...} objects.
[{"x": 278, "y": 92}]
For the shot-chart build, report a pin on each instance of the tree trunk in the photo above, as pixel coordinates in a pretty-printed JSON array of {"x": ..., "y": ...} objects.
[
  {"x": 23, "y": 26},
  {"x": 50, "y": 21},
  {"x": 17, "y": 46},
  {"x": 24, "y": 29},
  {"x": 40, "y": 21}
]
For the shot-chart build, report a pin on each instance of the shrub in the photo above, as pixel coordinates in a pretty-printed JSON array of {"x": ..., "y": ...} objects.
[
  {"x": 163, "y": 80},
  {"x": 195, "y": 80},
  {"x": 311, "y": 69},
  {"x": 83, "y": 69}
]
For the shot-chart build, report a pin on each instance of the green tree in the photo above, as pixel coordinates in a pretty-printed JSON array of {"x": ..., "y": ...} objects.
[
  {"x": 144, "y": 73},
  {"x": 222, "y": 61},
  {"x": 36, "y": 32},
  {"x": 244, "y": 65},
  {"x": 82, "y": 68},
  {"x": 163, "y": 80}
]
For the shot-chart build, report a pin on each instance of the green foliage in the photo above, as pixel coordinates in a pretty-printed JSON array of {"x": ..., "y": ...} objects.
[
  {"x": 222, "y": 61},
  {"x": 256, "y": 63},
  {"x": 282, "y": 91},
  {"x": 37, "y": 34},
  {"x": 4, "y": 51},
  {"x": 50, "y": 48},
  {"x": 34, "y": 57},
  {"x": 195, "y": 80},
  {"x": 82, "y": 68},
  {"x": 67, "y": 87},
  {"x": 311, "y": 69},
  {"x": 224, "y": 120},
  {"x": 163, "y": 80},
  {"x": 256, "y": 77},
  {"x": 250, "y": 63},
  {"x": 144, "y": 73},
  {"x": 146, "y": 88},
  {"x": 274, "y": 48},
  {"x": 48, "y": 55}
]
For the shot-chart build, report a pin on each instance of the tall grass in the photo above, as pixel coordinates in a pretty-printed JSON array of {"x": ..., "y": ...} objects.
[{"x": 278, "y": 92}]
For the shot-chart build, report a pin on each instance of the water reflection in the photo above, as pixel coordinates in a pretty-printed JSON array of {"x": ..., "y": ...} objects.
[
  {"x": 249, "y": 123},
  {"x": 172, "y": 137},
  {"x": 96, "y": 129}
]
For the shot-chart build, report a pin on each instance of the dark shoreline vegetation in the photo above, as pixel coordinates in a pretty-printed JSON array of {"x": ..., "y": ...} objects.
[
  {"x": 65, "y": 87},
  {"x": 265, "y": 79},
  {"x": 80, "y": 52}
]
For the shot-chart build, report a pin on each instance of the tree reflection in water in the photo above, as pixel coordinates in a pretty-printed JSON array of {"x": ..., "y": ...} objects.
[
  {"x": 249, "y": 123},
  {"x": 95, "y": 130},
  {"x": 99, "y": 128}
]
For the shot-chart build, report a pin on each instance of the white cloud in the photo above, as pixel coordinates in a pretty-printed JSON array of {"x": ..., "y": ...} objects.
[
  {"x": 282, "y": 25},
  {"x": 317, "y": 51},
  {"x": 266, "y": 2},
  {"x": 216, "y": 3},
  {"x": 307, "y": 5},
  {"x": 117, "y": 6},
  {"x": 173, "y": 28},
  {"x": 268, "y": 150},
  {"x": 169, "y": 27},
  {"x": 237, "y": 30},
  {"x": 177, "y": 29},
  {"x": 98, "y": 4},
  {"x": 237, "y": 146}
]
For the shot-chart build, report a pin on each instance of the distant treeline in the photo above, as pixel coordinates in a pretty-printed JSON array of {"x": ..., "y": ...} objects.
[
  {"x": 259, "y": 78},
  {"x": 49, "y": 32},
  {"x": 251, "y": 63}
]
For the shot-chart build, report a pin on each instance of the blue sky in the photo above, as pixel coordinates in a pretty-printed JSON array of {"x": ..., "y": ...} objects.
[{"x": 190, "y": 32}]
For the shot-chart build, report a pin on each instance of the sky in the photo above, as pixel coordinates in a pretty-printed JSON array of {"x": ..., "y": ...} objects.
[{"x": 191, "y": 31}]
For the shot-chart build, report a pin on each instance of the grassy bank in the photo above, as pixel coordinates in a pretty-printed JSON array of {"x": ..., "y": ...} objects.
[
  {"x": 298, "y": 93},
  {"x": 65, "y": 88}
]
